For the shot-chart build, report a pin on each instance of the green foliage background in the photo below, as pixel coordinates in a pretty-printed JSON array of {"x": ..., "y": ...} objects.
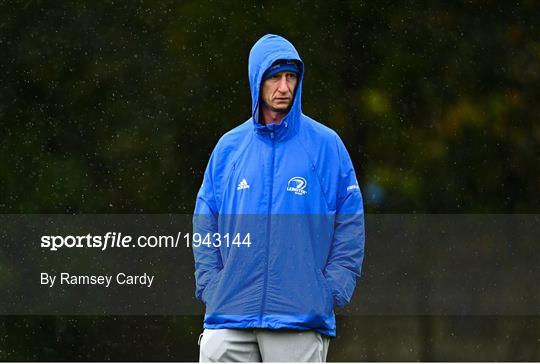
[{"x": 115, "y": 106}]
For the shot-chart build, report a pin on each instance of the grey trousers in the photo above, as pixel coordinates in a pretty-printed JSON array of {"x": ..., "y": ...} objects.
[{"x": 256, "y": 345}]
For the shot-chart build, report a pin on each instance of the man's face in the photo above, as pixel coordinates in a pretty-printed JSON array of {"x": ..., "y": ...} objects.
[{"x": 278, "y": 91}]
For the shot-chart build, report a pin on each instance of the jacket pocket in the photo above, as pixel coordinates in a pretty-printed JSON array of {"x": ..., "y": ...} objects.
[
  {"x": 327, "y": 290},
  {"x": 210, "y": 288}
]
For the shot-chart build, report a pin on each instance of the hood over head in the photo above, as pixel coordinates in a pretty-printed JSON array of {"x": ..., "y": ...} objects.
[{"x": 263, "y": 54}]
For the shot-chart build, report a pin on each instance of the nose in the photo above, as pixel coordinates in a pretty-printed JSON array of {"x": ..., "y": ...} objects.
[{"x": 283, "y": 87}]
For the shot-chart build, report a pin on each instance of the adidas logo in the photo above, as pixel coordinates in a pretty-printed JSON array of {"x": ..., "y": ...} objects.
[{"x": 242, "y": 185}]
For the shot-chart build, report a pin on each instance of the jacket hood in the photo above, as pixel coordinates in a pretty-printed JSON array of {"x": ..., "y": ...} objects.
[{"x": 263, "y": 54}]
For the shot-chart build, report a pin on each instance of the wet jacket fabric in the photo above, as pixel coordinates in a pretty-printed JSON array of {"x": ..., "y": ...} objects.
[{"x": 288, "y": 194}]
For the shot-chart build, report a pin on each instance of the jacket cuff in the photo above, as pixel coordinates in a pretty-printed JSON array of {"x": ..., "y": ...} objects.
[{"x": 342, "y": 290}]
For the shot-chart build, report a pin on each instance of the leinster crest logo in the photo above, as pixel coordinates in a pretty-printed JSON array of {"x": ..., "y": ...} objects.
[{"x": 297, "y": 185}]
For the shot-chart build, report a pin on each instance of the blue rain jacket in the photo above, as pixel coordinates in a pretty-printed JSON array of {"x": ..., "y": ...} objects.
[{"x": 289, "y": 195}]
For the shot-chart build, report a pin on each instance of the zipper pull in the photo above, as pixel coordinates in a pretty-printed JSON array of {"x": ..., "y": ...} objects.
[{"x": 272, "y": 135}]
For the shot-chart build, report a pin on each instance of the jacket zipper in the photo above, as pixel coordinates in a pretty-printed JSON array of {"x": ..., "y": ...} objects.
[{"x": 263, "y": 303}]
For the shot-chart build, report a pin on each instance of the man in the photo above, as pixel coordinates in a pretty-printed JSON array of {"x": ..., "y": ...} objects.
[{"x": 284, "y": 186}]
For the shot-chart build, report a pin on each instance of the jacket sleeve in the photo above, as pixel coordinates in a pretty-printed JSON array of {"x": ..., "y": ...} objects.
[
  {"x": 346, "y": 255},
  {"x": 208, "y": 261}
]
